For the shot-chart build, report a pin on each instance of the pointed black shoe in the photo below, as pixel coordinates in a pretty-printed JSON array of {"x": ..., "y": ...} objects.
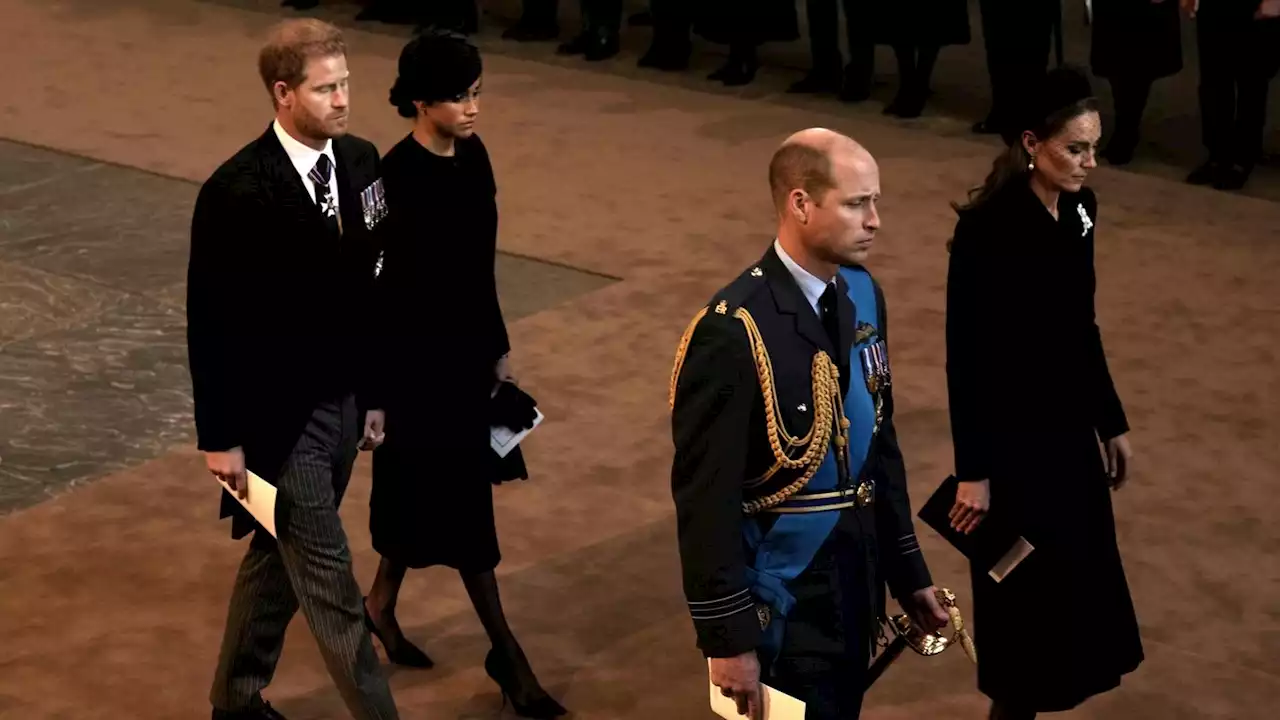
[
  {"x": 540, "y": 707},
  {"x": 403, "y": 652}
]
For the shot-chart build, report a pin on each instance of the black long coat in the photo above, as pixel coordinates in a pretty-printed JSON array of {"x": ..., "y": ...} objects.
[
  {"x": 919, "y": 22},
  {"x": 1136, "y": 39},
  {"x": 719, "y": 428},
  {"x": 1030, "y": 397},
  {"x": 276, "y": 307},
  {"x": 440, "y": 336}
]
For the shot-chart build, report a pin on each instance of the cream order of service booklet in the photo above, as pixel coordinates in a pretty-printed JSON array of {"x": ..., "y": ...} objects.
[
  {"x": 260, "y": 501},
  {"x": 777, "y": 705}
]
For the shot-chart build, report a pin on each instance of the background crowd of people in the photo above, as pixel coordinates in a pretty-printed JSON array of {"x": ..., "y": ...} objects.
[{"x": 1134, "y": 43}]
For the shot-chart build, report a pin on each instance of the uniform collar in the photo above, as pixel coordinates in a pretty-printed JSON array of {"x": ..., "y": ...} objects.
[{"x": 811, "y": 285}]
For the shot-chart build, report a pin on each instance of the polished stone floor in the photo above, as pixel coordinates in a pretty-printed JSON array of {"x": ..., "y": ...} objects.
[{"x": 93, "y": 260}]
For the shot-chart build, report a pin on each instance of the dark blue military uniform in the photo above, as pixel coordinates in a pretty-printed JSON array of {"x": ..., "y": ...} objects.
[{"x": 788, "y": 482}]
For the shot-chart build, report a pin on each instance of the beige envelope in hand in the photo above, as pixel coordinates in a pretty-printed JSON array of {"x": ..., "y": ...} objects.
[
  {"x": 260, "y": 501},
  {"x": 777, "y": 705}
]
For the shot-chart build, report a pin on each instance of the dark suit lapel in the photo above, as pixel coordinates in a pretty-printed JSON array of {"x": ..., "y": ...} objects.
[{"x": 790, "y": 300}]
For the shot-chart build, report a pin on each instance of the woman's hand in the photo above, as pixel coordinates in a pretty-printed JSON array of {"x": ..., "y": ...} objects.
[
  {"x": 1118, "y": 456},
  {"x": 973, "y": 497}
]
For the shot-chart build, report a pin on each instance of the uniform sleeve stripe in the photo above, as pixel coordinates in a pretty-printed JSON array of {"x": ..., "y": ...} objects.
[{"x": 714, "y": 614}]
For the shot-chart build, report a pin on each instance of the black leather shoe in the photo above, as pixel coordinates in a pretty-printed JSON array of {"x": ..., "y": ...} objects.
[
  {"x": 664, "y": 57},
  {"x": 1205, "y": 174},
  {"x": 576, "y": 46},
  {"x": 816, "y": 82},
  {"x": 1232, "y": 177},
  {"x": 601, "y": 47}
]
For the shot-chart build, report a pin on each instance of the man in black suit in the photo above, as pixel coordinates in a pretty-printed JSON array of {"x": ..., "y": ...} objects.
[
  {"x": 790, "y": 491},
  {"x": 1239, "y": 46},
  {"x": 278, "y": 290}
]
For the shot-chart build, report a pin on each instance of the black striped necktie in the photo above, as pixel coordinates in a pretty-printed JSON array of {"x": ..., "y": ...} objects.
[{"x": 320, "y": 175}]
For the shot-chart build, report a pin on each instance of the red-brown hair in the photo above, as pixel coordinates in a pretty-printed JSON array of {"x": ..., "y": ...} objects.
[{"x": 290, "y": 45}]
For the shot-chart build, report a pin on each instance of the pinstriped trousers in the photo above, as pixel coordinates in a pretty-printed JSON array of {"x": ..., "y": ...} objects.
[{"x": 309, "y": 568}]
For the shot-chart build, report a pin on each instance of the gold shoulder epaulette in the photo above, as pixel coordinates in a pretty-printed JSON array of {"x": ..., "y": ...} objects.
[
  {"x": 681, "y": 350},
  {"x": 828, "y": 409}
]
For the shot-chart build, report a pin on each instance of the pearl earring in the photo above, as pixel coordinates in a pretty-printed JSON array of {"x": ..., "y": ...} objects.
[{"x": 1031, "y": 165}]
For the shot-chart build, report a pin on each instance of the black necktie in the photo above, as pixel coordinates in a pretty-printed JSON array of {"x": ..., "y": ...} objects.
[
  {"x": 827, "y": 310},
  {"x": 320, "y": 175}
]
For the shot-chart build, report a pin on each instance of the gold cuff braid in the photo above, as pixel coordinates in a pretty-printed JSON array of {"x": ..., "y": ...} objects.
[{"x": 828, "y": 406}]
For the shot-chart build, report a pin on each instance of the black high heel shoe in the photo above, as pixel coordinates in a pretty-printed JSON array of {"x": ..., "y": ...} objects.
[
  {"x": 542, "y": 707},
  {"x": 403, "y": 652}
]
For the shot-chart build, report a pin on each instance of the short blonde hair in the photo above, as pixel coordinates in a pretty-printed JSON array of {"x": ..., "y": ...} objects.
[{"x": 292, "y": 43}]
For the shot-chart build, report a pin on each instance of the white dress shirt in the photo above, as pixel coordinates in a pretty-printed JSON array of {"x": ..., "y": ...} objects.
[
  {"x": 811, "y": 285},
  {"x": 304, "y": 158}
]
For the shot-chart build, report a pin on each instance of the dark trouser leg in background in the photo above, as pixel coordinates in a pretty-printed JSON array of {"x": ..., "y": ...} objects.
[
  {"x": 1130, "y": 97},
  {"x": 856, "y": 85},
  {"x": 604, "y": 24},
  {"x": 538, "y": 21},
  {"x": 1017, "y": 35},
  {"x": 915, "y": 70},
  {"x": 824, "y": 46},
  {"x": 671, "y": 46},
  {"x": 1217, "y": 92},
  {"x": 308, "y": 568}
]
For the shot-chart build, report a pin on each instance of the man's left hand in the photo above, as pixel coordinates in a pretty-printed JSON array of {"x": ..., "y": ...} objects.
[
  {"x": 925, "y": 611},
  {"x": 374, "y": 423},
  {"x": 1267, "y": 10}
]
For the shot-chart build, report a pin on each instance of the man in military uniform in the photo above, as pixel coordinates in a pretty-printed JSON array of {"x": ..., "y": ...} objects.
[{"x": 789, "y": 487}]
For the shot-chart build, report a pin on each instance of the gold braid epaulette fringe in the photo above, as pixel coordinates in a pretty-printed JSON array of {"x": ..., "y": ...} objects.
[{"x": 827, "y": 402}]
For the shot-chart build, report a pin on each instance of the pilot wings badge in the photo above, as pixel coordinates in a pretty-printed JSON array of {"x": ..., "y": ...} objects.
[{"x": 863, "y": 333}]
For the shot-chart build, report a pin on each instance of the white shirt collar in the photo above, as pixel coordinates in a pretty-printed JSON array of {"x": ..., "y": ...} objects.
[
  {"x": 811, "y": 285},
  {"x": 303, "y": 157}
]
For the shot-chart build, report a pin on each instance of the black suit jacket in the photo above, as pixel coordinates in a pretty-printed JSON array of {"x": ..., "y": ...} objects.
[
  {"x": 276, "y": 304},
  {"x": 721, "y": 442}
]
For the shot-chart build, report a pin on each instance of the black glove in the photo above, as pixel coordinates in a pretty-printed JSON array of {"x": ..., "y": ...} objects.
[{"x": 512, "y": 408}]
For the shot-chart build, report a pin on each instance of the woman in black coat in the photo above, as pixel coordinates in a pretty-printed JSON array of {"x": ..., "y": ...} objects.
[
  {"x": 443, "y": 371},
  {"x": 917, "y": 30},
  {"x": 1135, "y": 43},
  {"x": 1034, "y": 412}
]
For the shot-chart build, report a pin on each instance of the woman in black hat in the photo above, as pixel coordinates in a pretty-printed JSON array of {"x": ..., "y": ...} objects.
[
  {"x": 1039, "y": 433},
  {"x": 442, "y": 347}
]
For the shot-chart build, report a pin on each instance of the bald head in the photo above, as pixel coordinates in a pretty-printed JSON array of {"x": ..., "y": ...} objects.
[{"x": 804, "y": 161}]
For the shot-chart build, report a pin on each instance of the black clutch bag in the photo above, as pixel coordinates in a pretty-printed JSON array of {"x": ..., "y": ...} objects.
[{"x": 996, "y": 545}]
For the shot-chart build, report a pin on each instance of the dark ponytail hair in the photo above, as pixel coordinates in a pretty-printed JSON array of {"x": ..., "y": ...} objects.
[
  {"x": 1061, "y": 96},
  {"x": 1014, "y": 162}
]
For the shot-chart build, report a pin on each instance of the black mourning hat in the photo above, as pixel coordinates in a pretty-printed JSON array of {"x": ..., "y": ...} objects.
[
  {"x": 1060, "y": 89},
  {"x": 434, "y": 66}
]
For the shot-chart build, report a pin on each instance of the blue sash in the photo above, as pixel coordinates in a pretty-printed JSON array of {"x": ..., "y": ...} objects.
[{"x": 794, "y": 539}]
